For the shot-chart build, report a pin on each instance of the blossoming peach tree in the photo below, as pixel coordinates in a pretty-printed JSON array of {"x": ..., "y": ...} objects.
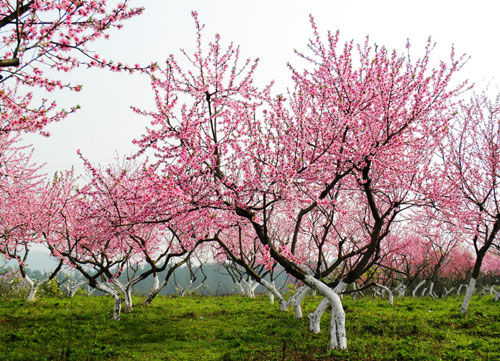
[
  {"x": 356, "y": 135},
  {"x": 471, "y": 159},
  {"x": 39, "y": 39}
]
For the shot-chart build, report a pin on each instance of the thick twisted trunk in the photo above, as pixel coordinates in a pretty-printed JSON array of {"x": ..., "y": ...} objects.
[
  {"x": 116, "y": 297},
  {"x": 315, "y": 317},
  {"x": 338, "y": 339}
]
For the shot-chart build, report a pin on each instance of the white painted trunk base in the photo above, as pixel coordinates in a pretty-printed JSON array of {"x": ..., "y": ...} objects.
[
  {"x": 338, "y": 338},
  {"x": 271, "y": 298},
  {"x": 388, "y": 290},
  {"x": 154, "y": 291},
  {"x": 116, "y": 297},
  {"x": 468, "y": 295},
  {"x": 448, "y": 291},
  {"x": 414, "y": 293},
  {"x": 34, "y": 286},
  {"x": 315, "y": 317},
  {"x": 297, "y": 302},
  {"x": 273, "y": 292}
]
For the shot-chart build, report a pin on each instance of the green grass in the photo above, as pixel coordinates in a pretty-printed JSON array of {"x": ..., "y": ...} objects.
[{"x": 237, "y": 328}]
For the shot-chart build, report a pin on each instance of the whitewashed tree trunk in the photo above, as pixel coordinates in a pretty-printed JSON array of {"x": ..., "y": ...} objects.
[
  {"x": 414, "y": 293},
  {"x": 183, "y": 291},
  {"x": 90, "y": 290},
  {"x": 468, "y": 294},
  {"x": 274, "y": 293},
  {"x": 297, "y": 302},
  {"x": 354, "y": 288},
  {"x": 116, "y": 297},
  {"x": 32, "y": 290},
  {"x": 127, "y": 295},
  {"x": 400, "y": 289},
  {"x": 155, "y": 290},
  {"x": 497, "y": 296},
  {"x": 460, "y": 289},
  {"x": 315, "y": 317},
  {"x": 252, "y": 286},
  {"x": 240, "y": 288},
  {"x": 194, "y": 289},
  {"x": 247, "y": 288},
  {"x": 188, "y": 290},
  {"x": 431, "y": 292},
  {"x": 293, "y": 297},
  {"x": 388, "y": 290},
  {"x": 448, "y": 291},
  {"x": 34, "y": 287},
  {"x": 128, "y": 300},
  {"x": 492, "y": 290},
  {"x": 423, "y": 292},
  {"x": 338, "y": 338},
  {"x": 72, "y": 291}
]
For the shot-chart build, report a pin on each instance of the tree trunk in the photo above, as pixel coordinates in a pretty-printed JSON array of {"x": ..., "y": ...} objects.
[
  {"x": 293, "y": 297},
  {"x": 251, "y": 286},
  {"x": 116, "y": 297},
  {"x": 34, "y": 287},
  {"x": 32, "y": 293},
  {"x": 338, "y": 338},
  {"x": 274, "y": 293},
  {"x": 297, "y": 302},
  {"x": 128, "y": 301},
  {"x": 127, "y": 295},
  {"x": 154, "y": 291},
  {"x": 72, "y": 292},
  {"x": 315, "y": 317},
  {"x": 32, "y": 290},
  {"x": 241, "y": 288},
  {"x": 414, "y": 293},
  {"x": 448, "y": 291},
  {"x": 400, "y": 289},
  {"x": 468, "y": 294},
  {"x": 431, "y": 293},
  {"x": 391, "y": 295}
]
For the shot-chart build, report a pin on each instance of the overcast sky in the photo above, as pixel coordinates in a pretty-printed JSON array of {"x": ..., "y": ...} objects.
[{"x": 266, "y": 29}]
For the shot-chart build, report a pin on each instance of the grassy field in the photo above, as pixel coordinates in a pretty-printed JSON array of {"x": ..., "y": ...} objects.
[{"x": 237, "y": 328}]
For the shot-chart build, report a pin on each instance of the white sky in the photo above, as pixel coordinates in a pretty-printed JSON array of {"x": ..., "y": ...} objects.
[{"x": 269, "y": 30}]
